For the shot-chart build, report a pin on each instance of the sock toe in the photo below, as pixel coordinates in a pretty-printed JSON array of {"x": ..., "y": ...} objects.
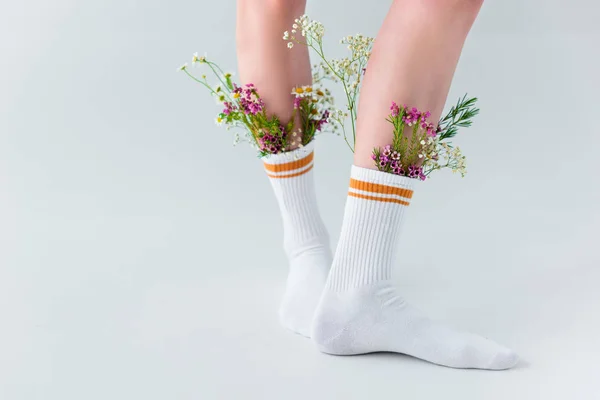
[{"x": 504, "y": 359}]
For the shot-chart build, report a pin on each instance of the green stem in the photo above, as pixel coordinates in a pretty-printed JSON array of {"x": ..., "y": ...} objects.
[
  {"x": 199, "y": 81},
  {"x": 321, "y": 54},
  {"x": 210, "y": 64}
]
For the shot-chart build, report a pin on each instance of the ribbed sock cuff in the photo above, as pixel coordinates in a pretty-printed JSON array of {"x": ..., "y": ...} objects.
[
  {"x": 290, "y": 164},
  {"x": 294, "y": 155},
  {"x": 384, "y": 178},
  {"x": 369, "y": 184}
]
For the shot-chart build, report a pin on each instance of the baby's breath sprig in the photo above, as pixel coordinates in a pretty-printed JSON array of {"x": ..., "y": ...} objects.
[{"x": 348, "y": 71}]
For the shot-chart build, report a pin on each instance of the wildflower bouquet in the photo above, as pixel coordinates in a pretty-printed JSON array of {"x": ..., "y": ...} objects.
[
  {"x": 244, "y": 108},
  {"x": 426, "y": 148},
  {"x": 419, "y": 147}
]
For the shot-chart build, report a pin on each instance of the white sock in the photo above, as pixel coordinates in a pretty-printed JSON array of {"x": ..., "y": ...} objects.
[
  {"x": 361, "y": 311},
  {"x": 305, "y": 240}
]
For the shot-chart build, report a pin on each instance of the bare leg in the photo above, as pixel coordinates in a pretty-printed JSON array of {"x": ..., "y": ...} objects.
[
  {"x": 361, "y": 310},
  {"x": 264, "y": 59},
  {"x": 413, "y": 62}
]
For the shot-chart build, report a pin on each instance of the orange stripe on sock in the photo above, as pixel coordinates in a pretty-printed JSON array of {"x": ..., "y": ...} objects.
[
  {"x": 382, "y": 199},
  {"x": 291, "y": 165},
  {"x": 291, "y": 175},
  {"x": 381, "y": 189}
]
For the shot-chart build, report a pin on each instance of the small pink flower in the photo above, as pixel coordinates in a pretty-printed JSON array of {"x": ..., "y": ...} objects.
[
  {"x": 395, "y": 109},
  {"x": 387, "y": 151}
]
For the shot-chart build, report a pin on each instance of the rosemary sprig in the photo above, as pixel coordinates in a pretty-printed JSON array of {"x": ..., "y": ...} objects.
[{"x": 459, "y": 116}]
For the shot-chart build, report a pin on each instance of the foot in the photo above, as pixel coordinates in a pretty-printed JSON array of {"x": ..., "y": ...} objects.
[
  {"x": 376, "y": 318},
  {"x": 305, "y": 283}
]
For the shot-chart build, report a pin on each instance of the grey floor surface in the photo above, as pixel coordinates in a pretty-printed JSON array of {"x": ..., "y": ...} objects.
[{"x": 142, "y": 316}]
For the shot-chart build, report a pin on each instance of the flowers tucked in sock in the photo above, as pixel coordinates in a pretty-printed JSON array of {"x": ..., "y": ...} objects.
[
  {"x": 244, "y": 108},
  {"x": 306, "y": 241},
  {"x": 419, "y": 147},
  {"x": 361, "y": 310}
]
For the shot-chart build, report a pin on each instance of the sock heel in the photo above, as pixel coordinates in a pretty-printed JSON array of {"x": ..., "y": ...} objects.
[{"x": 335, "y": 325}]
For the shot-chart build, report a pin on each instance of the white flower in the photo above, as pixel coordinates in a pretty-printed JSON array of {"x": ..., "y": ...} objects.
[
  {"x": 286, "y": 35},
  {"x": 219, "y": 120},
  {"x": 198, "y": 59},
  {"x": 290, "y": 45},
  {"x": 184, "y": 66}
]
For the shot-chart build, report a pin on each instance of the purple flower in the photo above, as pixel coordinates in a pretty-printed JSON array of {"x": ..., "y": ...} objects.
[
  {"x": 251, "y": 106},
  {"x": 271, "y": 143},
  {"x": 416, "y": 172},
  {"x": 413, "y": 171},
  {"x": 229, "y": 108},
  {"x": 412, "y": 115},
  {"x": 395, "y": 109},
  {"x": 387, "y": 150},
  {"x": 431, "y": 130},
  {"x": 323, "y": 120},
  {"x": 248, "y": 99},
  {"x": 398, "y": 170}
]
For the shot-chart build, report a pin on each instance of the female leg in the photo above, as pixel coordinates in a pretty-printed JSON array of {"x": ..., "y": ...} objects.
[
  {"x": 265, "y": 61},
  {"x": 413, "y": 61}
]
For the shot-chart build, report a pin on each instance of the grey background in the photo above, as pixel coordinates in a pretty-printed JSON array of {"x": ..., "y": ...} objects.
[{"x": 140, "y": 253}]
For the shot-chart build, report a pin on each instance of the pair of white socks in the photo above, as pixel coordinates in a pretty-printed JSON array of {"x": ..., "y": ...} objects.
[{"x": 354, "y": 308}]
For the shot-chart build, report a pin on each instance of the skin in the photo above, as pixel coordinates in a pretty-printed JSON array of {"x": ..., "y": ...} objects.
[
  {"x": 264, "y": 59},
  {"x": 413, "y": 61}
]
